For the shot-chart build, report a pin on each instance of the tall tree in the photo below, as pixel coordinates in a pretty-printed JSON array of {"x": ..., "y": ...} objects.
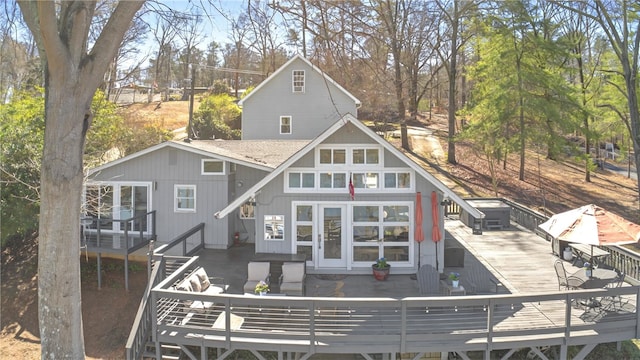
[
  {"x": 454, "y": 12},
  {"x": 72, "y": 73},
  {"x": 620, "y": 23}
]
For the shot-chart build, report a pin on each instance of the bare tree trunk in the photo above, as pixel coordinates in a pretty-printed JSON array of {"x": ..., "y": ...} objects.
[
  {"x": 453, "y": 63},
  {"x": 59, "y": 294},
  {"x": 72, "y": 75}
]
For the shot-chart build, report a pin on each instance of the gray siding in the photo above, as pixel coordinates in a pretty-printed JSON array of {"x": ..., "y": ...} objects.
[
  {"x": 312, "y": 112},
  {"x": 272, "y": 201},
  {"x": 167, "y": 167}
]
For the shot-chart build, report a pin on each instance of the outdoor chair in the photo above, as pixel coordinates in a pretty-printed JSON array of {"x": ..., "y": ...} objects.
[
  {"x": 428, "y": 280},
  {"x": 256, "y": 272},
  {"x": 562, "y": 275},
  {"x": 614, "y": 302},
  {"x": 292, "y": 280}
]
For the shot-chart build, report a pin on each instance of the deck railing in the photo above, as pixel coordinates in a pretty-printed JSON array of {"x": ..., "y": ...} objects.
[
  {"x": 127, "y": 227},
  {"x": 621, "y": 258},
  {"x": 182, "y": 239},
  {"x": 140, "y": 330},
  {"x": 385, "y": 325}
]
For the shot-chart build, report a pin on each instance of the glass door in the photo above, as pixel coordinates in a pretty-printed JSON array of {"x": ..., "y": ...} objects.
[{"x": 331, "y": 247}]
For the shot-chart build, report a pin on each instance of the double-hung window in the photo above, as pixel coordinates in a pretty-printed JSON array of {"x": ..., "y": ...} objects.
[
  {"x": 298, "y": 81},
  {"x": 185, "y": 198},
  {"x": 285, "y": 124}
]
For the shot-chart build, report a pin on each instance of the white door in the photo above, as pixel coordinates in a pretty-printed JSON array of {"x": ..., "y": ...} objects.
[{"x": 331, "y": 245}]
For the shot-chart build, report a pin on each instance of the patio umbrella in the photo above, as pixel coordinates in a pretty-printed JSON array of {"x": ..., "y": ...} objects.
[
  {"x": 419, "y": 232},
  {"x": 436, "y": 235},
  {"x": 591, "y": 225}
]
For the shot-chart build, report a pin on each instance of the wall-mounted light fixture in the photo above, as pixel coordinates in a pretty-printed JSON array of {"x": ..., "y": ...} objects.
[
  {"x": 240, "y": 183},
  {"x": 445, "y": 202}
]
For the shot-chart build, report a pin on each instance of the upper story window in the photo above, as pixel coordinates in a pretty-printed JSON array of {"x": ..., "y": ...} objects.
[
  {"x": 333, "y": 156},
  {"x": 285, "y": 124},
  {"x": 369, "y": 156},
  {"x": 366, "y": 156},
  {"x": 185, "y": 198},
  {"x": 298, "y": 81},
  {"x": 212, "y": 167},
  {"x": 397, "y": 180},
  {"x": 301, "y": 180}
]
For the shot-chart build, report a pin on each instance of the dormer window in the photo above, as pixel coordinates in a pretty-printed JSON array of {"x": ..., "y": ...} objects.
[{"x": 298, "y": 81}]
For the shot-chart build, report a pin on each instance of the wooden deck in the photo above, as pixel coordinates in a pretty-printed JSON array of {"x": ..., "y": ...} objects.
[{"x": 528, "y": 312}]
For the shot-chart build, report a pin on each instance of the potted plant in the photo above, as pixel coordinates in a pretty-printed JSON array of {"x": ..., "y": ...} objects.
[
  {"x": 455, "y": 279},
  {"x": 381, "y": 269},
  {"x": 262, "y": 288}
]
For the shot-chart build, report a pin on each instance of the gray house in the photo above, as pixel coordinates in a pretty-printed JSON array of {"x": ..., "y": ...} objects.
[
  {"x": 298, "y": 101},
  {"x": 320, "y": 184}
]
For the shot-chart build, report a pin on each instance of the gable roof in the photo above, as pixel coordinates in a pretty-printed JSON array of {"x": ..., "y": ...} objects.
[
  {"x": 315, "y": 68},
  {"x": 321, "y": 138},
  {"x": 259, "y": 154}
]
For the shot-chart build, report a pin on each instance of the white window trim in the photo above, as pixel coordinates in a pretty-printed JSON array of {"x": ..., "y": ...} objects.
[
  {"x": 203, "y": 172},
  {"x": 264, "y": 228},
  {"x": 290, "y": 125},
  {"x": 349, "y": 160},
  {"x": 380, "y": 149},
  {"x": 175, "y": 198},
  {"x": 117, "y": 186},
  {"x": 380, "y": 189},
  {"x": 301, "y": 171},
  {"x": 293, "y": 81},
  {"x": 349, "y": 229}
]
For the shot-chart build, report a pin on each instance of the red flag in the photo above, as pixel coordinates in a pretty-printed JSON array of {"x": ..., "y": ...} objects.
[{"x": 352, "y": 192}]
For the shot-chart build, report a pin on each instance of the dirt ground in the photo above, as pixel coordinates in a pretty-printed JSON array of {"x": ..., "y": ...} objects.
[{"x": 109, "y": 312}]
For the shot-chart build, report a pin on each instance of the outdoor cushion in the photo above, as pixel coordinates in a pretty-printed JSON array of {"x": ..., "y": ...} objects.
[
  {"x": 195, "y": 283},
  {"x": 292, "y": 272},
  {"x": 184, "y": 286},
  {"x": 256, "y": 272},
  {"x": 292, "y": 279},
  {"x": 204, "y": 279}
]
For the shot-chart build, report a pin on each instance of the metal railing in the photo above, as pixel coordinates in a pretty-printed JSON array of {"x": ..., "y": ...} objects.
[
  {"x": 159, "y": 265},
  {"x": 129, "y": 226},
  {"x": 620, "y": 258},
  {"x": 385, "y": 325},
  {"x": 141, "y": 327},
  {"x": 181, "y": 239}
]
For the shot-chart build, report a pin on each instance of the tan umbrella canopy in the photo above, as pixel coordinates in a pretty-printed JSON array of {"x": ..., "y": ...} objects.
[{"x": 591, "y": 225}]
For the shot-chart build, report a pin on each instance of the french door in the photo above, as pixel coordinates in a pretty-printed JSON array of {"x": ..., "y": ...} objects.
[{"x": 332, "y": 250}]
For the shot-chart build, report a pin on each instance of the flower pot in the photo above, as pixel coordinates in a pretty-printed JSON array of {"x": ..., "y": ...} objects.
[
  {"x": 263, "y": 293},
  {"x": 380, "y": 273},
  {"x": 455, "y": 283}
]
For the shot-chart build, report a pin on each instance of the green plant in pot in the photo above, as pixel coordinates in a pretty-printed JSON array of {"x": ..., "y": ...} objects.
[
  {"x": 455, "y": 279},
  {"x": 381, "y": 269}
]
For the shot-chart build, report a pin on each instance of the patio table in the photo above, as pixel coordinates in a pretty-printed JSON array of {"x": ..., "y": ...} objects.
[
  {"x": 584, "y": 251},
  {"x": 600, "y": 278}
]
